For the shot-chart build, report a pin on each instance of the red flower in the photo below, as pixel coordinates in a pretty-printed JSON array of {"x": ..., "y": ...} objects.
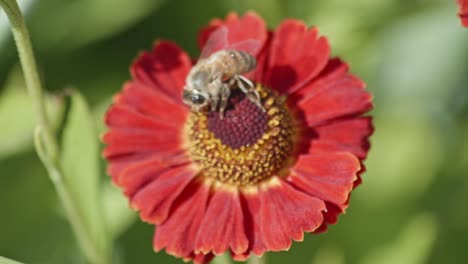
[
  {"x": 253, "y": 181},
  {"x": 463, "y": 12}
]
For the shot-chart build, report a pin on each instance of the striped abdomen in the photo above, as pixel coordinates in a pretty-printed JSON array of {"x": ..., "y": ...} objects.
[{"x": 233, "y": 62}]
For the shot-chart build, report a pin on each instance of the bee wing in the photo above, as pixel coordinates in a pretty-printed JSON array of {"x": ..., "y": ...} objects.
[
  {"x": 251, "y": 46},
  {"x": 218, "y": 40}
]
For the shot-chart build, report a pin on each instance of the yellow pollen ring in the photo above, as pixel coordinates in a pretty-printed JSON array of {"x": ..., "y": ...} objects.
[{"x": 248, "y": 164}]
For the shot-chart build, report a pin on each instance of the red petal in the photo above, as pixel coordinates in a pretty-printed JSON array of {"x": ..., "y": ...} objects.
[
  {"x": 297, "y": 56},
  {"x": 240, "y": 257},
  {"x": 262, "y": 60},
  {"x": 334, "y": 69},
  {"x": 223, "y": 225},
  {"x": 178, "y": 233},
  {"x": 131, "y": 141},
  {"x": 205, "y": 32},
  {"x": 344, "y": 135},
  {"x": 336, "y": 94},
  {"x": 329, "y": 217},
  {"x": 285, "y": 213},
  {"x": 166, "y": 68},
  {"x": 463, "y": 12},
  {"x": 122, "y": 116},
  {"x": 118, "y": 163},
  {"x": 154, "y": 200},
  {"x": 326, "y": 175},
  {"x": 251, "y": 207},
  {"x": 152, "y": 103},
  {"x": 250, "y": 26},
  {"x": 136, "y": 176},
  {"x": 142, "y": 121}
]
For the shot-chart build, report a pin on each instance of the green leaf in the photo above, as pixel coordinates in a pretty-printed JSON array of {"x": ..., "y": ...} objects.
[
  {"x": 80, "y": 161},
  {"x": 8, "y": 261},
  {"x": 99, "y": 111},
  {"x": 118, "y": 215},
  {"x": 17, "y": 117}
]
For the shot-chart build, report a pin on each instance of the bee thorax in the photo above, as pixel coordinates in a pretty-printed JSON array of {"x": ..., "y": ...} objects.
[{"x": 199, "y": 79}]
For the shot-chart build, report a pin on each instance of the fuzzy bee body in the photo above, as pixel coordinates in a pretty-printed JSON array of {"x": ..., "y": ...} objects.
[
  {"x": 219, "y": 70},
  {"x": 212, "y": 78},
  {"x": 229, "y": 63}
]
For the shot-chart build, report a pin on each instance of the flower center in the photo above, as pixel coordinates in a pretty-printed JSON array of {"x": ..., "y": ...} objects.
[
  {"x": 242, "y": 125},
  {"x": 247, "y": 145}
]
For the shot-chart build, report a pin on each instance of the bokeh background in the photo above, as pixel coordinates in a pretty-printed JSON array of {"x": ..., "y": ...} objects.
[{"x": 413, "y": 204}]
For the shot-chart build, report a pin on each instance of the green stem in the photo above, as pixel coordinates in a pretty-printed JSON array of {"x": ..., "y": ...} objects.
[
  {"x": 45, "y": 141},
  {"x": 74, "y": 217},
  {"x": 31, "y": 76}
]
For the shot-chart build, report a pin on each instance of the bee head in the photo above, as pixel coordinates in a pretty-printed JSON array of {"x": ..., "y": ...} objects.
[{"x": 196, "y": 99}]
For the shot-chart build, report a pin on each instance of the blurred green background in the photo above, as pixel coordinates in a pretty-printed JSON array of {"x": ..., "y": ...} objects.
[{"x": 412, "y": 205}]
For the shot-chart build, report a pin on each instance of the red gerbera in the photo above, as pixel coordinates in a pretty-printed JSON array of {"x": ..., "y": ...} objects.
[
  {"x": 254, "y": 180},
  {"x": 463, "y": 12}
]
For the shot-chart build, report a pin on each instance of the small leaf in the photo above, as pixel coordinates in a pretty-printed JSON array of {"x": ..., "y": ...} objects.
[
  {"x": 118, "y": 215},
  {"x": 80, "y": 161},
  {"x": 99, "y": 112},
  {"x": 8, "y": 261}
]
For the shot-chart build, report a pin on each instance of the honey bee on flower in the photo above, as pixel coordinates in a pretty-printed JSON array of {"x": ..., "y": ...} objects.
[{"x": 219, "y": 70}]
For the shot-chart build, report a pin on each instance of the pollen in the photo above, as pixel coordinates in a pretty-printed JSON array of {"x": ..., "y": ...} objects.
[{"x": 247, "y": 145}]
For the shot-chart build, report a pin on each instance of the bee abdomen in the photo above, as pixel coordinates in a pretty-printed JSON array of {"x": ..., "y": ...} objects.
[
  {"x": 248, "y": 61},
  {"x": 240, "y": 62}
]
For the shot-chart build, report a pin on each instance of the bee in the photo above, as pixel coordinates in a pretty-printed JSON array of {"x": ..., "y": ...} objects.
[{"x": 218, "y": 71}]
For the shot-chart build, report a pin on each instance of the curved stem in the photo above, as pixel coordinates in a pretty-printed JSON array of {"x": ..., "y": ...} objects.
[
  {"x": 45, "y": 141},
  {"x": 31, "y": 76},
  {"x": 71, "y": 209}
]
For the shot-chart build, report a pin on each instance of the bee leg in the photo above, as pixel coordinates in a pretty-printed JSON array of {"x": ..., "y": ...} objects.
[
  {"x": 249, "y": 90},
  {"x": 225, "y": 93},
  {"x": 214, "y": 104},
  {"x": 231, "y": 82},
  {"x": 215, "y": 96},
  {"x": 241, "y": 78}
]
